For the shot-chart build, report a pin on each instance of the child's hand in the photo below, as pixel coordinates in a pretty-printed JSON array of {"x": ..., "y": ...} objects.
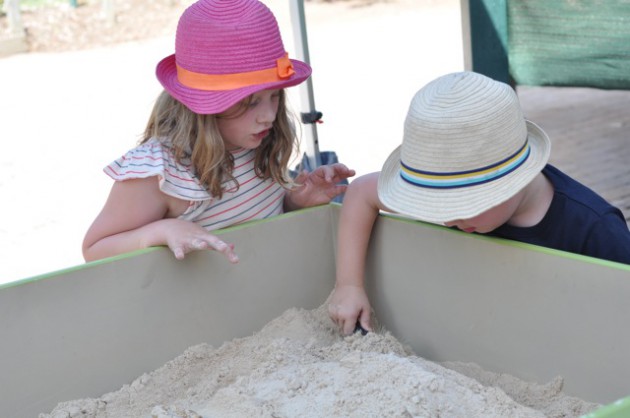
[
  {"x": 319, "y": 186},
  {"x": 184, "y": 237},
  {"x": 349, "y": 304}
]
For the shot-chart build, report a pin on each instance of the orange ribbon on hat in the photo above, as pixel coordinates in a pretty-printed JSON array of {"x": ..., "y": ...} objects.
[{"x": 282, "y": 71}]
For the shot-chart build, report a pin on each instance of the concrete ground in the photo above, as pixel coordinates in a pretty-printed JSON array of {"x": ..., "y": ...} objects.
[
  {"x": 66, "y": 115},
  {"x": 589, "y": 134}
]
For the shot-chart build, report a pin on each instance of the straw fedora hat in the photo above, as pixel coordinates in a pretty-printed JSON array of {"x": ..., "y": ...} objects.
[
  {"x": 225, "y": 50},
  {"x": 466, "y": 148}
]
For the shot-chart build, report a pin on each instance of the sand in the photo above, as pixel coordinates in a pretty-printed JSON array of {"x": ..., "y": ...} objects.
[{"x": 298, "y": 365}]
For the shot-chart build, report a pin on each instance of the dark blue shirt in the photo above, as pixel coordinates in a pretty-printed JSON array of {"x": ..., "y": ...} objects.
[{"x": 578, "y": 220}]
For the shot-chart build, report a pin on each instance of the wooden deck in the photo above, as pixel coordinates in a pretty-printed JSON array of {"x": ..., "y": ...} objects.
[{"x": 590, "y": 135}]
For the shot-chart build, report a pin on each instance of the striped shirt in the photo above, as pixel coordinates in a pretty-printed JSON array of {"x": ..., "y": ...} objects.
[{"x": 254, "y": 198}]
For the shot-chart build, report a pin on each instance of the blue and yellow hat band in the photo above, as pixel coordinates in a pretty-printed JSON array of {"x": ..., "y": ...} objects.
[{"x": 467, "y": 178}]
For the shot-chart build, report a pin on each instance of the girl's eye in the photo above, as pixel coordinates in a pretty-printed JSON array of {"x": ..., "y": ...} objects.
[{"x": 254, "y": 102}]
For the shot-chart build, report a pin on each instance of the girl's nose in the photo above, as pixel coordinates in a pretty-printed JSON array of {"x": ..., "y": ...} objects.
[{"x": 267, "y": 114}]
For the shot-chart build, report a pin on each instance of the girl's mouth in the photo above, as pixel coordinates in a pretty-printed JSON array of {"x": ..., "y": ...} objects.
[{"x": 262, "y": 135}]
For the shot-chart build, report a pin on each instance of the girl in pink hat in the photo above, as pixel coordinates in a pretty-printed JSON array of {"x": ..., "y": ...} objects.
[{"x": 218, "y": 142}]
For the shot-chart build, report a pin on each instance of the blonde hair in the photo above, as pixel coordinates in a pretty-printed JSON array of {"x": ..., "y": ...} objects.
[{"x": 196, "y": 138}]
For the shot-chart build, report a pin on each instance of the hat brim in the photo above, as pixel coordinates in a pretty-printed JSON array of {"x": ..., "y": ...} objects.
[
  {"x": 444, "y": 205},
  {"x": 208, "y": 102}
]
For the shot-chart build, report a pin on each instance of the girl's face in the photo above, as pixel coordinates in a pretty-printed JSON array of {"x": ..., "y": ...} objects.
[
  {"x": 489, "y": 220},
  {"x": 248, "y": 122}
]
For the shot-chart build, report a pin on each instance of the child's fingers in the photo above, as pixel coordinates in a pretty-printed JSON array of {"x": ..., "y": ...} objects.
[
  {"x": 232, "y": 257},
  {"x": 179, "y": 253},
  {"x": 325, "y": 172},
  {"x": 225, "y": 249},
  {"x": 337, "y": 172},
  {"x": 364, "y": 319},
  {"x": 210, "y": 242},
  {"x": 340, "y": 188},
  {"x": 349, "y": 326},
  {"x": 301, "y": 177},
  {"x": 329, "y": 173},
  {"x": 199, "y": 244}
]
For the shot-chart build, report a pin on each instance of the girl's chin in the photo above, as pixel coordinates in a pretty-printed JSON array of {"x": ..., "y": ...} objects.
[
  {"x": 254, "y": 143},
  {"x": 249, "y": 146}
]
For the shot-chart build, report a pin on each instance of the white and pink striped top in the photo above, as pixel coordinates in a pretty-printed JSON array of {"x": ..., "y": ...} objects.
[{"x": 255, "y": 198}]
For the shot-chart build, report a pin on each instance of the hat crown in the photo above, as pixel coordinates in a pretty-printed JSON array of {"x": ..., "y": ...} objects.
[
  {"x": 227, "y": 37},
  {"x": 462, "y": 122}
]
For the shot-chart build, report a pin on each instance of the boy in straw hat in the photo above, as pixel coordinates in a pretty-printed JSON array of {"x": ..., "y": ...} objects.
[
  {"x": 218, "y": 142},
  {"x": 471, "y": 161}
]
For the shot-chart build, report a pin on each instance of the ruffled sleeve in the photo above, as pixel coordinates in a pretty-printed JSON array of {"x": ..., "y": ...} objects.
[{"x": 153, "y": 158}]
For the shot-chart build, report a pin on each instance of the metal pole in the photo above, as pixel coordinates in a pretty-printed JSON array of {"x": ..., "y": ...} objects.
[{"x": 309, "y": 116}]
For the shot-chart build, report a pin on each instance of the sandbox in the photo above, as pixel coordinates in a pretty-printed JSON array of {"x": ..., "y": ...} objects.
[{"x": 509, "y": 307}]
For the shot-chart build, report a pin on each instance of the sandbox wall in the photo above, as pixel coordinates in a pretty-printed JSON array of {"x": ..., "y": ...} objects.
[
  {"x": 524, "y": 310},
  {"x": 510, "y": 307},
  {"x": 89, "y": 330}
]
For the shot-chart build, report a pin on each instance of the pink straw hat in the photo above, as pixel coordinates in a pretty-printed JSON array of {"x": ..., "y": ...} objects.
[
  {"x": 466, "y": 149},
  {"x": 226, "y": 50}
]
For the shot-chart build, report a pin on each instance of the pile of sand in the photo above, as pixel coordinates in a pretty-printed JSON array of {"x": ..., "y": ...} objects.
[{"x": 299, "y": 366}]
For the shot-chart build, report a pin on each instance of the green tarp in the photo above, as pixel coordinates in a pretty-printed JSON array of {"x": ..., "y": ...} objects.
[
  {"x": 579, "y": 43},
  {"x": 570, "y": 43}
]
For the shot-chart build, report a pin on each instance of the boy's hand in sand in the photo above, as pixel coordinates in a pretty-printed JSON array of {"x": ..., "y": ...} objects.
[{"x": 347, "y": 305}]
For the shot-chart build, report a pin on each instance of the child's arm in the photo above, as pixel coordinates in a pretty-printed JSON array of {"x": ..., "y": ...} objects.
[
  {"x": 317, "y": 187},
  {"x": 349, "y": 301},
  {"x": 138, "y": 215}
]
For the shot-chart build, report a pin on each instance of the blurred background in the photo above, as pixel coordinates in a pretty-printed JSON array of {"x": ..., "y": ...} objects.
[
  {"x": 76, "y": 92},
  {"x": 77, "y": 84}
]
